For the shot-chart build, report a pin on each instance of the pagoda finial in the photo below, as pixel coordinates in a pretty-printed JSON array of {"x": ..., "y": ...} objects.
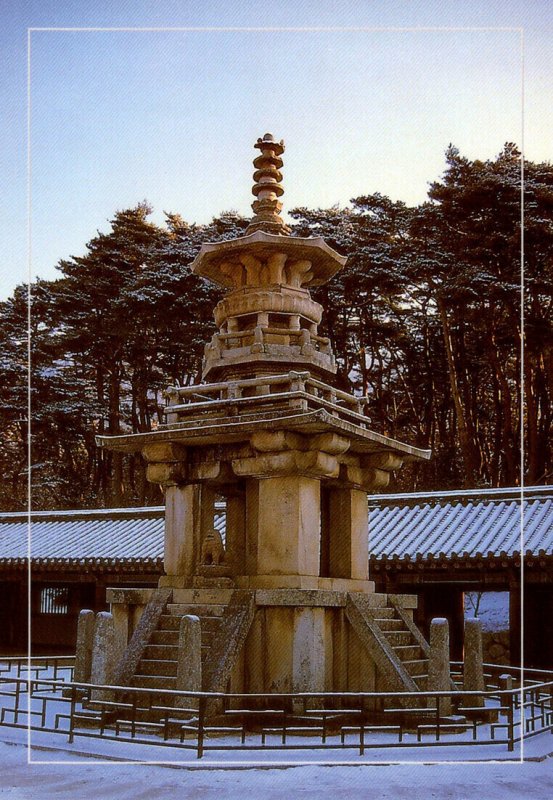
[{"x": 267, "y": 188}]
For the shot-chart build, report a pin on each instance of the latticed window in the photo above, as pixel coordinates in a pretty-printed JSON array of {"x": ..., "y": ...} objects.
[{"x": 54, "y": 600}]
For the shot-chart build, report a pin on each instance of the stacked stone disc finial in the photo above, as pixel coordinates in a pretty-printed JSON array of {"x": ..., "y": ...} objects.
[{"x": 267, "y": 188}]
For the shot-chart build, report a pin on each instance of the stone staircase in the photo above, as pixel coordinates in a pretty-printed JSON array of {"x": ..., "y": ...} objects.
[
  {"x": 157, "y": 669},
  {"x": 383, "y": 626},
  {"x": 386, "y": 630},
  {"x": 395, "y": 643},
  {"x": 409, "y": 650}
]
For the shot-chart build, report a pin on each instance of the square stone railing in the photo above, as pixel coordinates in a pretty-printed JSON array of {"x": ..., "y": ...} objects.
[{"x": 298, "y": 390}]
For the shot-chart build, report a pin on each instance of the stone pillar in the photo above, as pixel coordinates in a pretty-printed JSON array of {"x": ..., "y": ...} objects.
[
  {"x": 288, "y": 534},
  {"x": 473, "y": 670},
  {"x": 85, "y": 641},
  {"x": 308, "y": 659},
  {"x": 439, "y": 676},
  {"x": 122, "y": 625},
  {"x": 189, "y": 659},
  {"x": 206, "y": 511},
  {"x": 348, "y": 534},
  {"x": 182, "y": 520},
  {"x": 235, "y": 544},
  {"x": 103, "y": 654},
  {"x": 252, "y": 526}
]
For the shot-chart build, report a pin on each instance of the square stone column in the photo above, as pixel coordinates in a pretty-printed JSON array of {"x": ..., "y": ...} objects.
[
  {"x": 308, "y": 659},
  {"x": 348, "y": 533},
  {"x": 236, "y": 532},
  {"x": 182, "y": 529},
  {"x": 288, "y": 526}
]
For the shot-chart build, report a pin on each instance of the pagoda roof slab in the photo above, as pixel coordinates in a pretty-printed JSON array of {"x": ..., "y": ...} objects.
[
  {"x": 227, "y": 431},
  {"x": 325, "y": 260}
]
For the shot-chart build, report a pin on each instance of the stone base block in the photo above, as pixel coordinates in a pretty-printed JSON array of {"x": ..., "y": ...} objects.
[
  {"x": 404, "y": 600},
  {"x": 202, "y": 596},
  {"x": 303, "y": 582},
  {"x": 214, "y": 571},
  {"x": 202, "y": 582},
  {"x": 134, "y": 597},
  {"x": 175, "y": 582}
]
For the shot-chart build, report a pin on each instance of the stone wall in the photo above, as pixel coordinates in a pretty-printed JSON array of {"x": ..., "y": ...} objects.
[{"x": 496, "y": 647}]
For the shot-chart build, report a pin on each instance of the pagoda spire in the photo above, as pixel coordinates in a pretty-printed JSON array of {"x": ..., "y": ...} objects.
[{"x": 267, "y": 188}]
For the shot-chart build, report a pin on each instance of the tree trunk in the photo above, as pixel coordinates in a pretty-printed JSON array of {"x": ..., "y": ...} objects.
[{"x": 467, "y": 451}]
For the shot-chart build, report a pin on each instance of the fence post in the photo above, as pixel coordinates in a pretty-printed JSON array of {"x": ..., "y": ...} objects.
[
  {"x": 201, "y": 716},
  {"x": 511, "y": 722},
  {"x": 439, "y": 676},
  {"x": 473, "y": 670},
  {"x": 17, "y": 698},
  {"x": 83, "y": 652},
  {"x": 72, "y": 713}
]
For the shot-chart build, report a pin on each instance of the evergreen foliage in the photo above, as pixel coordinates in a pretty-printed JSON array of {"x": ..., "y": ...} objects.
[{"x": 425, "y": 319}]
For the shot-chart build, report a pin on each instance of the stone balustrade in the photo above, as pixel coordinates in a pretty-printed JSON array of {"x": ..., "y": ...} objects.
[
  {"x": 258, "y": 337},
  {"x": 299, "y": 389}
]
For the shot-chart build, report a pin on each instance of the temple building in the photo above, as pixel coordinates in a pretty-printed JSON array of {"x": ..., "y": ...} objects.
[{"x": 441, "y": 546}]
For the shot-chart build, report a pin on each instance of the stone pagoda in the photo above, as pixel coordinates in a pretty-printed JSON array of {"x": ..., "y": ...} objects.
[{"x": 284, "y": 603}]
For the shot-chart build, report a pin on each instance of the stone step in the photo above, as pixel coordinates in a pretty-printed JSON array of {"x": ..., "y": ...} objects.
[
  {"x": 157, "y": 666},
  {"x": 384, "y": 612},
  {"x": 168, "y": 622},
  {"x": 154, "y": 681},
  {"x": 407, "y": 652},
  {"x": 145, "y": 713},
  {"x": 390, "y": 624},
  {"x": 170, "y": 639},
  {"x": 148, "y": 700},
  {"x": 161, "y": 651},
  {"x": 166, "y": 637},
  {"x": 398, "y": 638},
  {"x": 171, "y": 622},
  {"x": 198, "y": 609},
  {"x": 210, "y": 624},
  {"x": 417, "y": 666}
]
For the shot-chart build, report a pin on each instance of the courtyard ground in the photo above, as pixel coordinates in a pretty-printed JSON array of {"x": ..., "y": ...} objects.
[{"x": 84, "y": 778}]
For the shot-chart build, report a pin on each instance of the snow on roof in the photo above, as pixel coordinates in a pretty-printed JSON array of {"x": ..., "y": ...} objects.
[
  {"x": 474, "y": 528},
  {"x": 94, "y": 536},
  {"x": 467, "y": 523}
]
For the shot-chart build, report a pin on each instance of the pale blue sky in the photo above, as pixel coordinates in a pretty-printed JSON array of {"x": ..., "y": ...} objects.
[{"x": 171, "y": 117}]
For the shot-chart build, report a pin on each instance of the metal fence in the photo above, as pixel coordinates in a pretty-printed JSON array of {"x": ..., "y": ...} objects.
[{"x": 41, "y": 694}]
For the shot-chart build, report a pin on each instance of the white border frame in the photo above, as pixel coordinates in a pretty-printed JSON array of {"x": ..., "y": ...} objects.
[{"x": 269, "y": 29}]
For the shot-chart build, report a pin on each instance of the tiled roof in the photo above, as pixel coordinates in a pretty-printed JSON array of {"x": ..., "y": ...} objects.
[
  {"x": 477, "y": 527},
  {"x": 121, "y": 536},
  {"x": 401, "y": 527}
]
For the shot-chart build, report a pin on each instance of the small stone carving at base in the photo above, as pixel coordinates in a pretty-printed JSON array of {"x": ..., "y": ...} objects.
[{"x": 213, "y": 549}]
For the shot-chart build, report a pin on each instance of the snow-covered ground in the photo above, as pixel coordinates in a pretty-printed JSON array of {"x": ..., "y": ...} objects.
[
  {"x": 493, "y": 609},
  {"x": 102, "y": 769},
  {"x": 83, "y": 778},
  {"x": 50, "y": 710}
]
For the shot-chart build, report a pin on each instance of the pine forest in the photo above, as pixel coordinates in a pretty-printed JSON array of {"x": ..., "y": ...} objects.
[{"x": 437, "y": 318}]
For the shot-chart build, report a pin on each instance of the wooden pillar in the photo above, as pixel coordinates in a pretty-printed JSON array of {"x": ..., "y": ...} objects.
[
  {"x": 514, "y": 623},
  {"x": 538, "y": 626}
]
